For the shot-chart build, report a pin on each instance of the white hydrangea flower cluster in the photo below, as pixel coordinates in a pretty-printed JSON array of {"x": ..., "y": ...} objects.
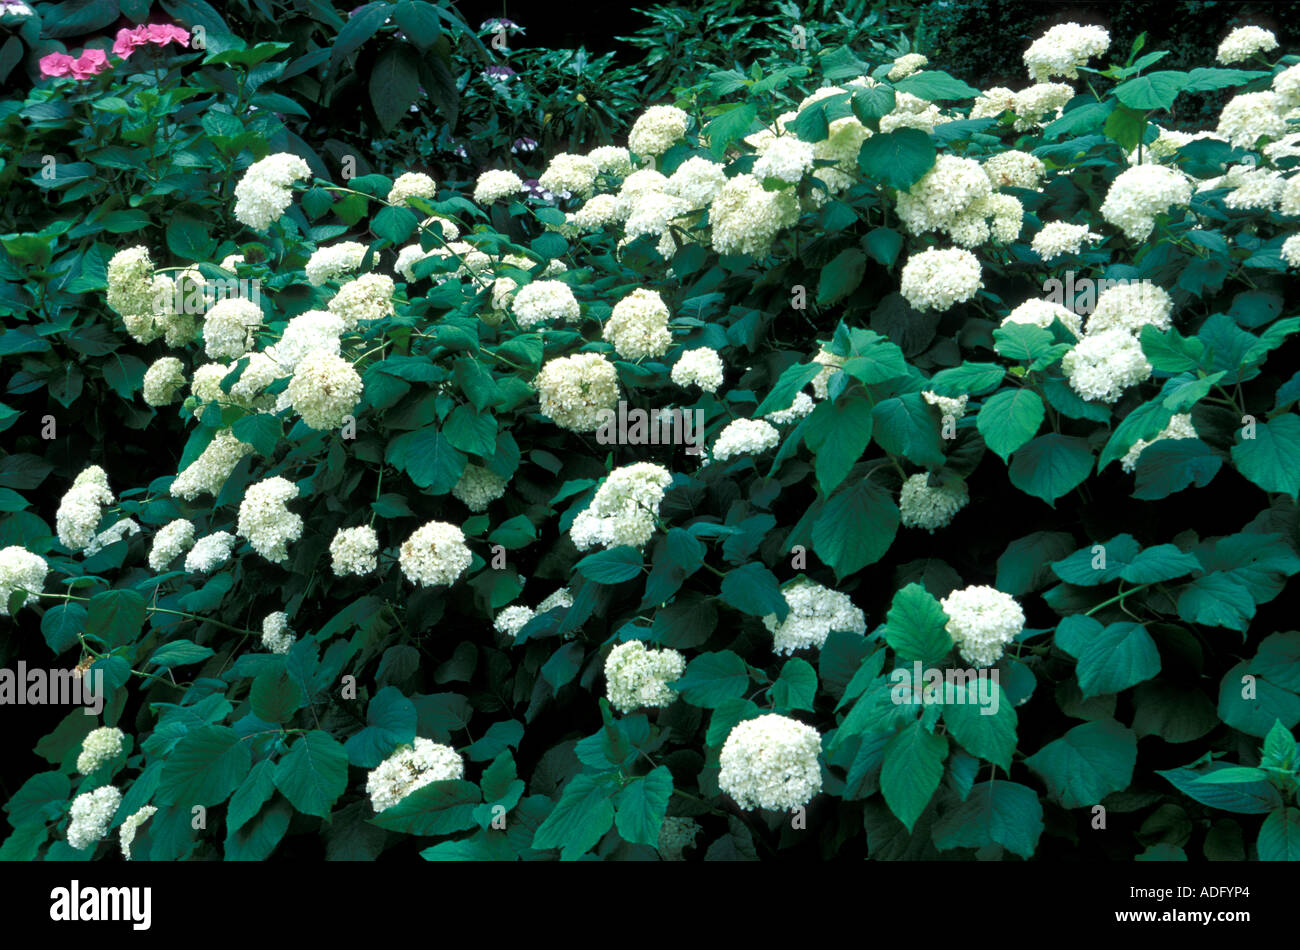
[
  {"x": 675, "y": 836},
  {"x": 1131, "y": 306},
  {"x": 478, "y": 487},
  {"x": 785, "y": 158},
  {"x": 265, "y": 520},
  {"x": 1244, "y": 42},
  {"x": 1253, "y": 189},
  {"x": 82, "y": 507},
  {"x": 637, "y": 677},
  {"x": 922, "y": 505},
  {"x": 163, "y": 380},
  {"x": 1289, "y": 201},
  {"x": 1059, "y": 237},
  {"x": 745, "y": 218},
  {"x": 561, "y": 597},
  {"x": 1180, "y": 427},
  {"x": 1140, "y": 193},
  {"x": 326, "y": 263},
  {"x": 20, "y": 569},
  {"x": 209, "y": 552},
  {"x": 170, "y": 541},
  {"x": 600, "y": 212},
  {"x": 369, "y": 297},
  {"x": 228, "y": 328},
  {"x": 130, "y": 283},
  {"x": 568, "y": 174},
  {"x": 623, "y": 509},
  {"x": 952, "y": 198},
  {"x": 92, "y": 812},
  {"x": 950, "y": 407},
  {"x": 576, "y": 392},
  {"x": 412, "y": 185},
  {"x": 1042, "y": 313},
  {"x": 938, "y": 278},
  {"x": 276, "y": 635},
  {"x": 696, "y": 181},
  {"x": 1040, "y": 103},
  {"x": 745, "y": 437},
  {"x": 993, "y": 102},
  {"x": 612, "y": 160},
  {"x": 131, "y": 826},
  {"x": 98, "y": 748},
  {"x": 656, "y": 130},
  {"x": 1291, "y": 250},
  {"x": 512, "y": 619},
  {"x": 1251, "y": 116},
  {"x": 803, "y": 404},
  {"x": 411, "y": 255},
  {"x": 266, "y": 189},
  {"x": 699, "y": 367},
  {"x": 982, "y": 621},
  {"x": 435, "y": 554},
  {"x": 309, "y": 332},
  {"x": 905, "y": 65},
  {"x": 1102, "y": 365},
  {"x": 815, "y": 613},
  {"x": 1015, "y": 169},
  {"x": 771, "y": 762},
  {"x": 411, "y": 767},
  {"x": 1063, "y": 49},
  {"x": 544, "y": 300},
  {"x": 354, "y": 551},
  {"x": 638, "y": 325},
  {"x": 111, "y": 535},
  {"x": 208, "y": 473},
  {"x": 497, "y": 185},
  {"x": 324, "y": 390}
]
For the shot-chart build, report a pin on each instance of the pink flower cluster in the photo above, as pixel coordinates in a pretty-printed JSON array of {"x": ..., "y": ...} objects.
[
  {"x": 91, "y": 62},
  {"x": 159, "y": 34}
]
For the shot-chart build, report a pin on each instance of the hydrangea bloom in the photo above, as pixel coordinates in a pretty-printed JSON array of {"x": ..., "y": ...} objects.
[
  {"x": 786, "y": 158},
  {"x": 623, "y": 509},
  {"x": 638, "y": 325},
  {"x": 1131, "y": 306},
  {"x": 276, "y": 635},
  {"x": 922, "y": 505},
  {"x": 496, "y": 185},
  {"x": 905, "y": 65},
  {"x": 637, "y": 677},
  {"x": 656, "y": 130},
  {"x": 20, "y": 569},
  {"x": 1058, "y": 237},
  {"x": 171, "y": 540},
  {"x": 478, "y": 487},
  {"x": 936, "y": 279},
  {"x": 512, "y": 619},
  {"x": 354, "y": 551},
  {"x": 815, "y": 612},
  {"x": 98, "y": 748},
  {"x": 576, "y": 392},
  {"x": 82, "y": 507},
  {"x": 1244, "y": 42},
  {"x": 265, "y": 191},
  {"x": 208, "y": 473},
  {"x": 1180, "y": 427},
  {"x": 411, "y": 767},
  {"x": 745, "y": 437},
  {"x": 1251, "y": 116},
  {"x": 324, "y": 390},
  {"x": 131, "y": 826},
  {"x": 412, "y": 185},
  {"x": 570, "y": 175},
  {"x": 369, "y": 297},
  {"x": 699, "y": 367},
  {"x": 266, "y": 521},
  {"x": 228, "y": 328},
  {"x": 210, "y": 552},
  {"x": 1102, "y": 365},
  {"x": 1042, "y": 313},
  {"x": 435, "y": 554},
  {"x": 163, "y": 381},
  {"x": 982, "y": 621},
  {"x": 771, "y": 762},
  {"x": 1140, "y": 193},
  {"x": 746, "y": 218},
  {"x": 544, "y": 300},
  {"x": 1063, "y": 49},
  {"x": 327, "y": 263},
  {"x": 92, "y": 813}
]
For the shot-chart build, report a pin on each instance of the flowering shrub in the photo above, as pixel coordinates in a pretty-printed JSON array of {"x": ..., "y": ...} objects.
[{"x": 429, "y": 553}]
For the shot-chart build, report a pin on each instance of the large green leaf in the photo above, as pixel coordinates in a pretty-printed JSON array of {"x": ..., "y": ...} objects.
[
  {"x": 915, "y": 626},
  {"x": 1050, "y": 466},
  {"x": 204, "y": 768},
  {"x": 1009, "y": 419},
  {"x": 1111, "y": 658},
  {"x": 995, "y": 812},
  {"x": 641, "y": 806},
  {"x": 856, "y": 527},
  {"x": 1087, "y": 763},
  {"x": 579, "y": 819},
  {"x": 910, "y": 774},
  {"x": 314, "y": 773}
]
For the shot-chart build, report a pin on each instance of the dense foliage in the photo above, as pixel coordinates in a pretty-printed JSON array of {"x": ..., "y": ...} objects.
[{"x": 631, "y": 510}]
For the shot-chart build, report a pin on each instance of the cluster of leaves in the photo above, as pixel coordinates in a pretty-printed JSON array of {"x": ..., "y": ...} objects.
[{"x": 1155, "y": 678}]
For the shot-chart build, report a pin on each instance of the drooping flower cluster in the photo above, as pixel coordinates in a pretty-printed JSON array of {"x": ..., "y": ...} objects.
[
  {"x": 98, "y": 748},
  {"x": 169, "y": 542},
  {"x": 745, "y": 437},
  {"x": 1059, "y": 237},
  {"x": 815, "y": 612},
  {"x": 131, "y": 826},
  {"x": 982, "y": 621},
  {"x": 209, "y": 552},
  {"x": 326, "y": 263},
  {"x": 265, "y": 191},
  {"x": 771, "y": 762},
  {"x": 1063, "y": 49},
  {"x": 82, "y": 507},
  {"x": 208, "y": 473},
  {"x": 20, "y": 569},
  {"x": 435, "y": 554},
  {"x": 92, "y": 812},
  {"x": 163, "y": 381},
  {"x": 938, "y": 278},
  {"x": 512, "y": 619},
  {"x": 411, "y": 767},
  {"x": 577, "y": 392},
  {"x": 624, "y": 508},
  {"x": 922, "y": 505},
  {"x": 276, "y": 635},
  {"x": 676, "y": 835},
  {"x": 637, "y": 677},
  {"x": 265, "y": 519},
  {"x": 228, "y": 328}
]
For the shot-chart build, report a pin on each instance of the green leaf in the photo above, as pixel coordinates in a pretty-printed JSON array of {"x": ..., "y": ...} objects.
[
  {"x": 1087, "y": 763},
  {"x": 1256, "y": 798},
  {"x": 913, "y": 766},
  {"x": 856, "y": 527},
  {"x": 1272, "y": 458},
  {"x": 1156, "y": 90},
  {"x": 995, "y": 812},
  {"x": 439, "y": 808},
  {"x": 188, "y": 239},
  {"x": 257, "y": 839},
  {"x": 897, "y": 158},
  {"x": 179, "y": 653},
  {"x": 314, "y": 773},
  {"x": 787, "y": 386},
  {"x": 907, "y": 425},
  {"x": 581, "y": 817},
  {"x": 796, "y": 687},
  {"x": 263, "y": 431},
  {"x": 915, "y": 626},
  {"x": 984, "y": 725},
  {"x": 1163, "y": 562},
  {"x": 611, "y": 566},
  {"x": 1111, "y": 658},
  {"x": 1279, "y": 836},
  {"x": 206, "y": 765},
  {"x": 1124, "y": 126},
  {"x": 116, "y": 617},
  {"x": 712, "y": 678},
  {"x": 838, "y": 432},
  {"x": 394, "y": 84},
  {"x": 841, "y": 276},
  {"x": 1009, "y": 419},
  {"x": 390, "y": 722},
  {"x": 1255, "y": 714},
  {"x": 729, "y": 126},
  {"x": 1050, "y": 466},
  {"x": 471, "y": 431},
  {"x": 871, "y": 105},
  {"x": 254, "y": 792},
  {"x": 641, "y": 806},
  {"x": 935, "y": 84},
  {"x": 428, "y": 458},
  {"x": 753, "y": 589},
  {"x": 42, "y": 798},
  {"x": 61, "y": 624}
]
